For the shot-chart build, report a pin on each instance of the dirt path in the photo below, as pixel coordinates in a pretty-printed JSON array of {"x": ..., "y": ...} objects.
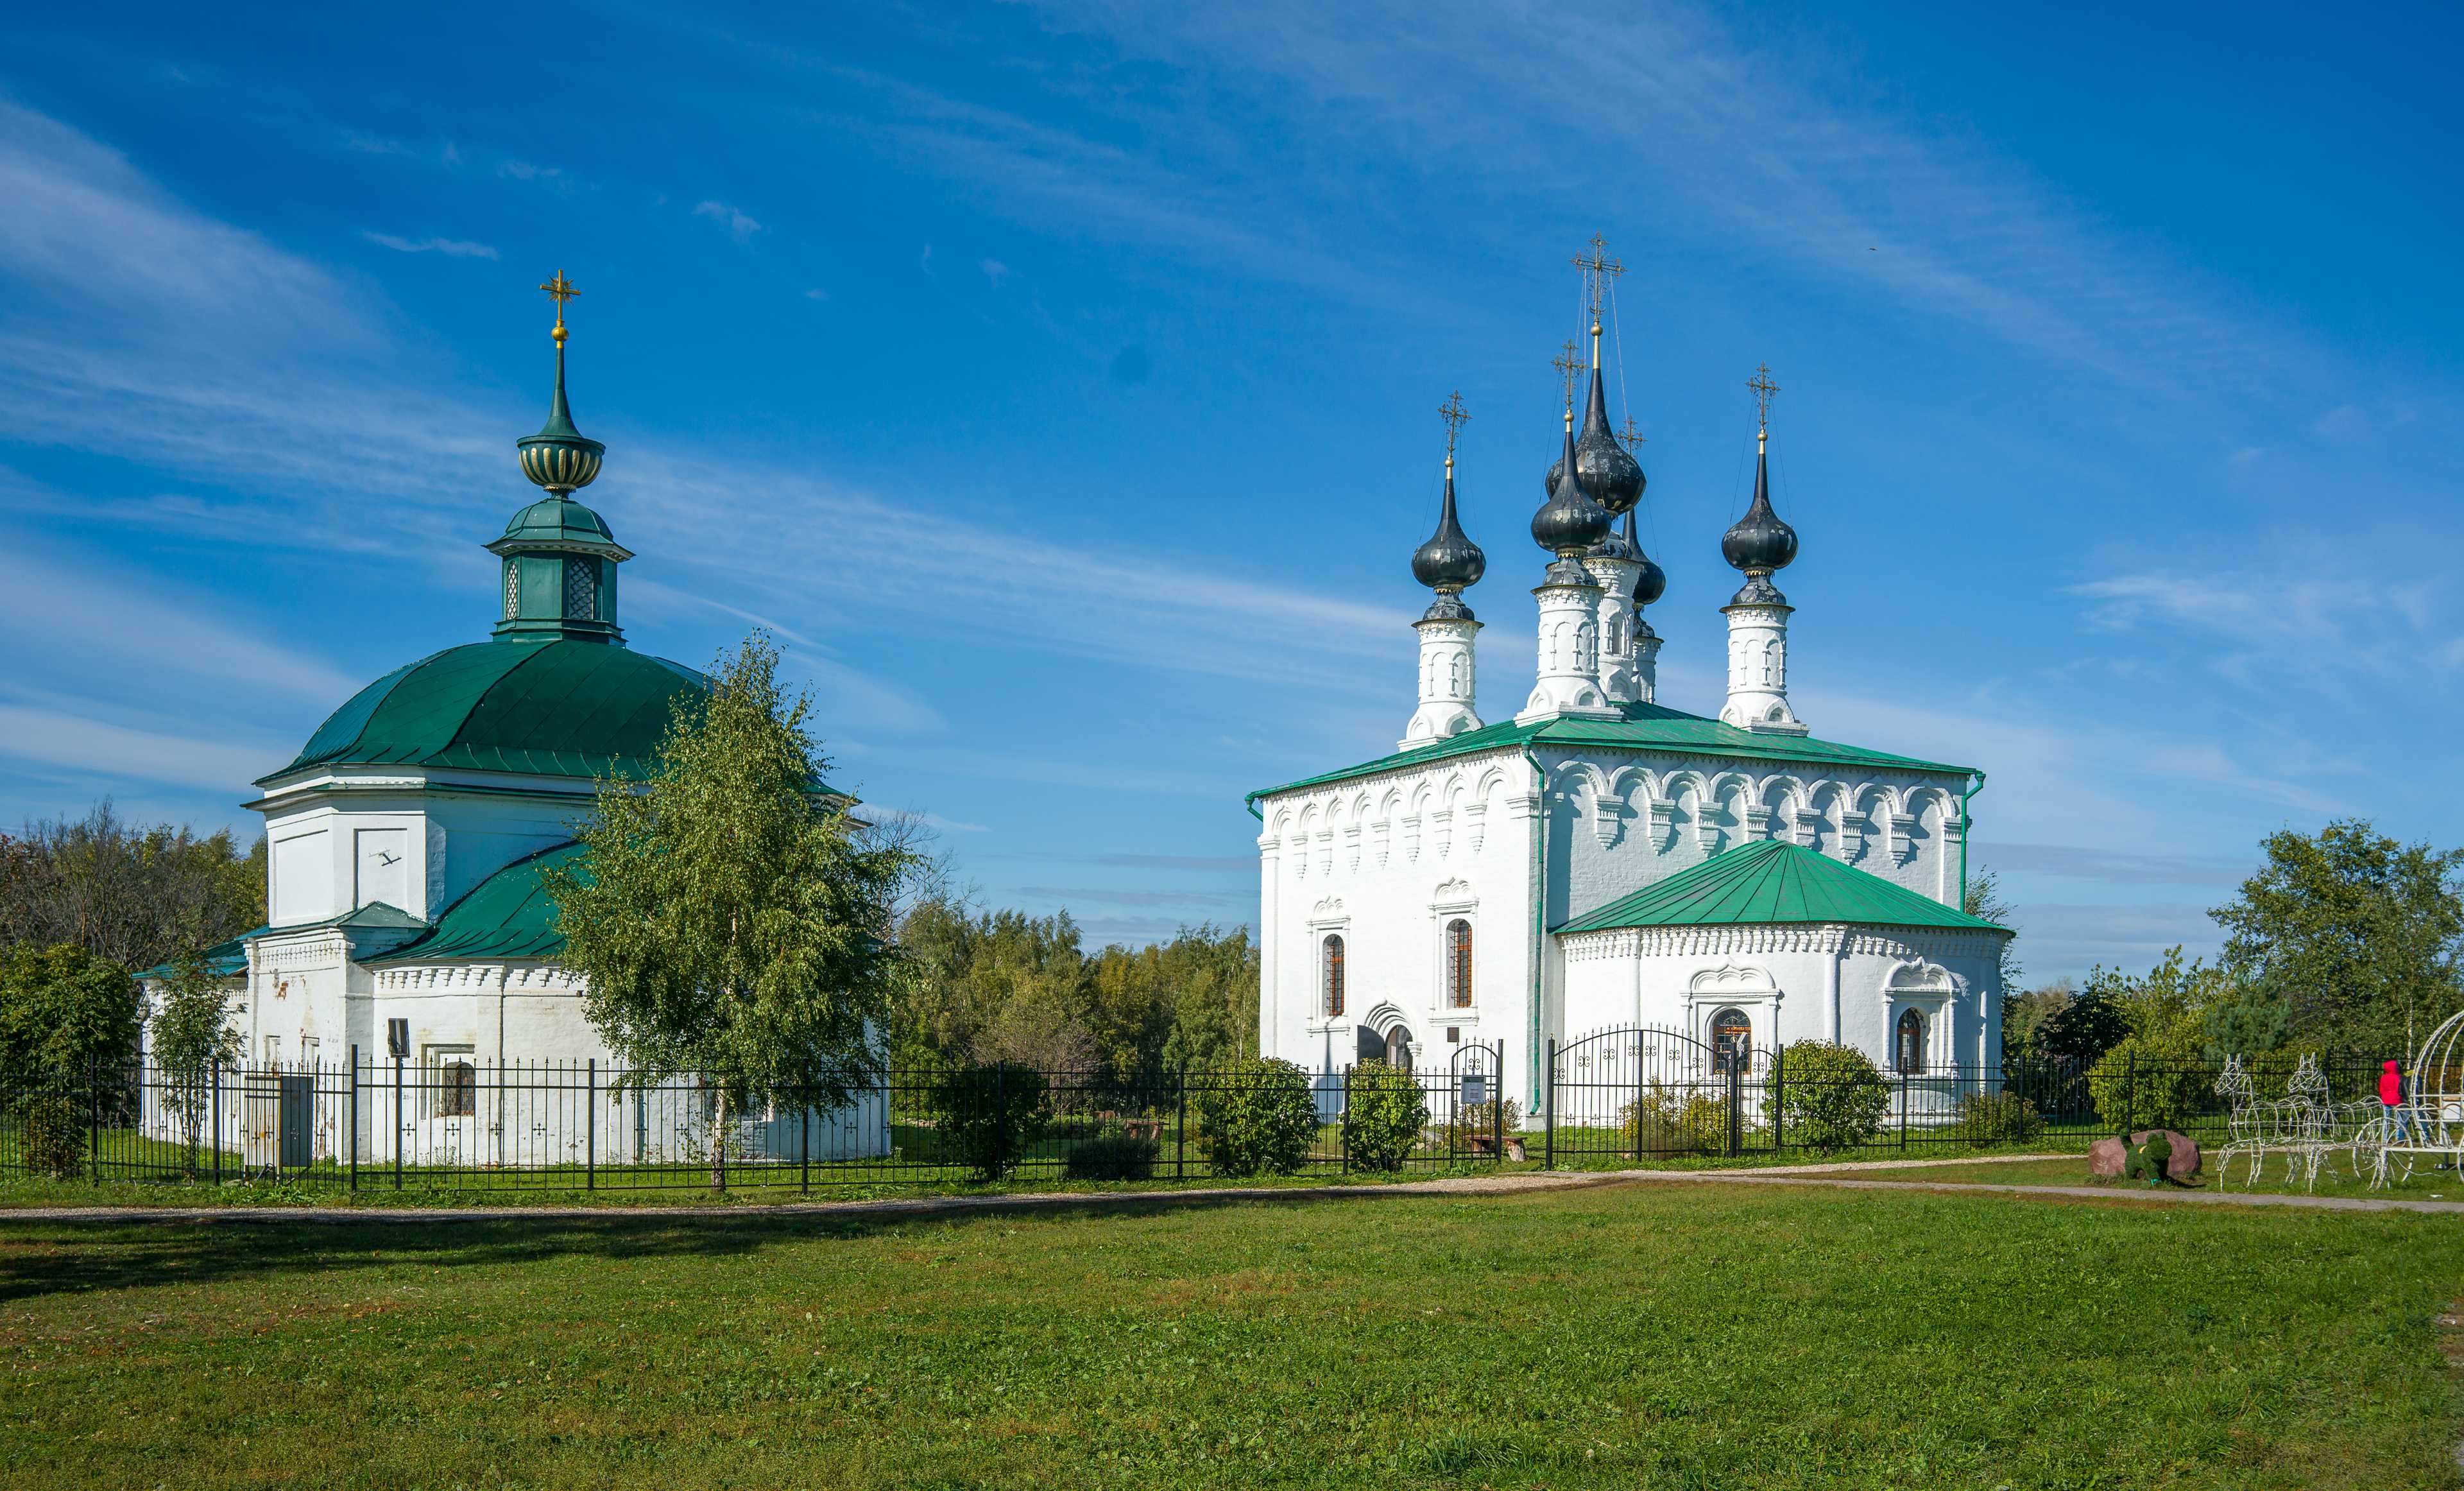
[{"x": 1849, "y": 1177}]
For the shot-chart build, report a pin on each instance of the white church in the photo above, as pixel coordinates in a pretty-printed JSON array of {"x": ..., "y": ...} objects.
[
  {"x": 1605, "y": 862},
  {"x": 407, "y": 924}
]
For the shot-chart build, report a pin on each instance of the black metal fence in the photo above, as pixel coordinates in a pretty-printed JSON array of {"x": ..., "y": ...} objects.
[
  {"x": 579, "y": 1127},
  {"x": 1641, "y": 1093},
  {"x": 1618, "y": 1097}
]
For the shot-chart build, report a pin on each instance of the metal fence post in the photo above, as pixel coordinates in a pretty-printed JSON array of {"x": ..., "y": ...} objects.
[
  {"x": 1343, "y": 1130},
  {"x": 1549, "y": 1130},
  {"x": 397, "y": 1123},
  {"x": 2129, "y": 1092},
  {"x": 1001, "y": 1120},
  {"x": 590, "y": 1127},
  {"x": 1497, "y": 1109},
  {"x": 805, "y": 1145},
  {"x": 93, "y": 1116},
  {"x": 1779, "y": 1099},
  {"x": 1180, "y": 1126},
  {"x": 1736, "y": 1100},
  {"x": 217, "y": 1099},
  {"x": 355, "y": 1115},
  {"x": 1904, "y": 1108}
]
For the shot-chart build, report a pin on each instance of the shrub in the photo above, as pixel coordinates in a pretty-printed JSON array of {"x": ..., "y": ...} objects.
[
  {"x": 991, "y": 1113},
  {"x": 1995, "y": 1118},
  {"x": 1828, "y": 1097},
  {"x": 1666, "y": 1121},
  {"x": 50, "y": 1134},
  {"x": 1383, "y": 1114},
  {"x": 2151, "y": 1083},
  {"x": 1114, "y": 1154},
  {"x": 1258, "y": 1116}
]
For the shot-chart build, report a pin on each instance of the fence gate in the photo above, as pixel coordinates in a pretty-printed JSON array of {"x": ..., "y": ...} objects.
[
  {"x": 1476, "y": 1125},
  {"x": 1646, "y": 1089}
]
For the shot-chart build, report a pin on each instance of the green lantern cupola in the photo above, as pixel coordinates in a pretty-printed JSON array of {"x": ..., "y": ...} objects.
[{"x": 559, "y": 558}]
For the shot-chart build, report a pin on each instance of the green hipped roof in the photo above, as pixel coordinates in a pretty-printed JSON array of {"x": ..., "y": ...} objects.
[
  {"x": 555, "y": 709},
  {"x": 1773, "y": 881},
  {"x": 1643, "y": 727},
  {"x": 507, "y": 915}
]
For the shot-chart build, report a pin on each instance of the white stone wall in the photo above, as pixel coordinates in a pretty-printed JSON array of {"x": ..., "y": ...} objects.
[
  {"x": 1385, "y": 862},
  {"x": 416, "y": 842},
  {"x": 1795, "y": 981},
  {"x": 1379, "y": 860}
]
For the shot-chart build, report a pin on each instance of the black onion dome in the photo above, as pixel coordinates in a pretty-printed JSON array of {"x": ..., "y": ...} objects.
[
  {"x": 1569, "y": 521},
  {"x": 1760, "y": 542},
  {"x": 1610, "y": 472},
  {"x": 1652, "y": 582},
  {"x": 1449, "y": 561}
]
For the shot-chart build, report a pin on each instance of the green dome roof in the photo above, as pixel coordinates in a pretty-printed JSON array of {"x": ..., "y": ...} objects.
[{"x": 556, "y": 708}]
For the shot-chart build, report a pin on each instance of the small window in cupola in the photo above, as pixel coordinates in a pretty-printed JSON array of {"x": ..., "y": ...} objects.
[
  {"x": 513, "y": 588},
  {"x": 580, "y": 589}
]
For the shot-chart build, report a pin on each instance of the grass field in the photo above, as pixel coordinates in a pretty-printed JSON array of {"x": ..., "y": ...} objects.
[
  {"x": 1688, "y": 1336},
  {"x": 2337, "y": 1179}
]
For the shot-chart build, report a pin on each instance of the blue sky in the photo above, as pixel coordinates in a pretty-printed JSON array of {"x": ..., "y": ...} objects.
[{"x": 1060, "y": 382}]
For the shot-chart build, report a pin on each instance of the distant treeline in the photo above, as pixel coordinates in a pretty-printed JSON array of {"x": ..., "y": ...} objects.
[
  {"x": 132, "y": 894},
  {"x": 1004, "y": 986}
]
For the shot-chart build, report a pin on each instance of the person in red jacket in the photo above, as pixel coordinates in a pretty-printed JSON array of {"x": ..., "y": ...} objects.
[{"x": 2392, "y": 1095}]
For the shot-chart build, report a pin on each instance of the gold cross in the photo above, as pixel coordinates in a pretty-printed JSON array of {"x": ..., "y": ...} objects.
[
  {"x": 1599, "y": 269},
  {"x": 560, "y": 290},
  {"x": 1630, "y": 435},
  {"x": 1452, "y": 412},
  {"x": 1763, "y": 388},
  {"x": 1568, "y": 365}
]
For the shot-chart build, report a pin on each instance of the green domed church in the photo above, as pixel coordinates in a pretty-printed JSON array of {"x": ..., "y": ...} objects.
[{"x": 406, "y": 918}]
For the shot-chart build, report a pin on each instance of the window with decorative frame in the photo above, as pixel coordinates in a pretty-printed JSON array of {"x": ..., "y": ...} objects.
[
  {"x": 1458, "y": 963},
  {"x": 453, "y": 1083},
  {"x": 1331, "y": 973},
  {"x": 1732, "y": 1039}
]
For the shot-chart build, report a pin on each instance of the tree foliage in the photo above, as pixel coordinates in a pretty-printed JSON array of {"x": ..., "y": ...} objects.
[
  {"x": 2358, "y": 935},
  {"x": 189, "y": 1024},
  {"x": 727, "y": 921},
  {"x": 1983, "y": 899},
  {"x": 988, "y": 986},
  {"x": 62, "y": 1011},
  {"x": 135, "y": 894}
]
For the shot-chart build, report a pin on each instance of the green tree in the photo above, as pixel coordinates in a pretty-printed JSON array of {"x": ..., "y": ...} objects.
[
  {"x": 728, "y": 920},
  {"x": 2025, "y": 1015},
  {"x": 1383, "y": 1114},
  {"x": 135, "y": 894},
  {"x": 2360, "y": 934},
  {"x": 190, "y": 1027},
  {"x": 62, "y": 1011}
]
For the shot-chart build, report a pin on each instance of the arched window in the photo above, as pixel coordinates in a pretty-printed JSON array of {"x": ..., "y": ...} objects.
[
  {"x": 1732, "y": 1039},
  {"x": 1459, "y": 964},
  {"x": 1911, "y": 1042},
  {"x": 1333, "y": 956}
]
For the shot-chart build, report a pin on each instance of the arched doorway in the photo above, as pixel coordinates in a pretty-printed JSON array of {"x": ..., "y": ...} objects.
[{"x": 1398, "y": 1049}]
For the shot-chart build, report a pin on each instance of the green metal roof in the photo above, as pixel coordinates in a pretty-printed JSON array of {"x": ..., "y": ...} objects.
[
  {"x": 223, "y": 960},
  {"x": 1643, "y": 727},
  {"x": 1772, "y": 880},
  {"x": 507, "y": 915},
  {"x": 556, "y": 708}
]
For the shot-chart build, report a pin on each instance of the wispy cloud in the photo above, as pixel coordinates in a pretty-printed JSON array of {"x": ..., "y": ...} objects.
[
  {"x": 2113, "y": 867},
  {"x": 85, "y": 745},
  {"x": 84, "y": 615},
  {"x": 451, "y": 248},
  {"x": 739, "y": 223}
]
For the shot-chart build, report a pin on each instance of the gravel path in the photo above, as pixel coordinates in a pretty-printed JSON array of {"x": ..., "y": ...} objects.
[{"x": 1508, "y": 1182}]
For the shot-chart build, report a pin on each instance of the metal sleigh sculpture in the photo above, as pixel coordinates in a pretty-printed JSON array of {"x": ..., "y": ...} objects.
[{"x": 2431, "y": 1120}]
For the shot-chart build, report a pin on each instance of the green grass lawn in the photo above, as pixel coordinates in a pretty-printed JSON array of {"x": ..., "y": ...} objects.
[
  {"x": 2425, "y": 1184},
  {"x": 1691, "y": 1336}
]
